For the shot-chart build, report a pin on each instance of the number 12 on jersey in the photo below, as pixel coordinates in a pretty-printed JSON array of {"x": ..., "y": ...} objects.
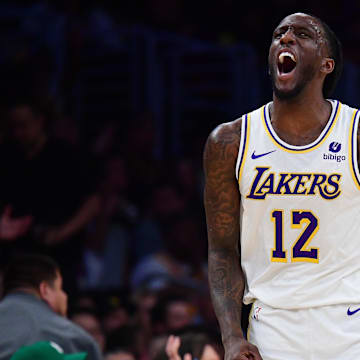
[{"x": 300, "y": 250}]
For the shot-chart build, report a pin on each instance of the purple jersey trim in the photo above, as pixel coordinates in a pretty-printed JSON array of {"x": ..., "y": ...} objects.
[
  {"x": 354, "y": 143},
  {"x": 307, "y": 147},
  {"x": 244, "y": 145}
]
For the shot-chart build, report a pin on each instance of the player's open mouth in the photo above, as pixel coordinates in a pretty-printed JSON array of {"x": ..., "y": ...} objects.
[{"x": 286, "y": 63}]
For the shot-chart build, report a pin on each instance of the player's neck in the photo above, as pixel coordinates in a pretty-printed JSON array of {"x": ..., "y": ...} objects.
[{"x": 300, "y": 121}]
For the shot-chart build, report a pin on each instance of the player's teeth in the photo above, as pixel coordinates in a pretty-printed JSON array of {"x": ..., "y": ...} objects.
[{"x": 285, "y": 53}]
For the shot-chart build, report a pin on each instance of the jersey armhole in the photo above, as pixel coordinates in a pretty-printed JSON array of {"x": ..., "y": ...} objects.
[
  {"x": 244, "y": 140},
  {"x": 354, "y": 166}
]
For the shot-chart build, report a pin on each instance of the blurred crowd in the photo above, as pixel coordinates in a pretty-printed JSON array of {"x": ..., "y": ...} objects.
[
  {"x": 127, "y": 230},
  {"x": 125, "y": 222},
  {"x": 126, "y": 226}
]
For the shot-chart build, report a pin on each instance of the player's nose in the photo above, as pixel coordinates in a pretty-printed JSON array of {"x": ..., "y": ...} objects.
[{"x": 288, "y": 37}]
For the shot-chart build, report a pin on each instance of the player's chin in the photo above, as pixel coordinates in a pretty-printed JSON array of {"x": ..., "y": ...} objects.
[
  {"x": 286, "y": 92},
  {"x": 283, "y": 88}
]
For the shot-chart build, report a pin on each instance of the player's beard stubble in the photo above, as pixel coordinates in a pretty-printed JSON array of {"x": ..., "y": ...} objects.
[{"x": 308, "y": 74}]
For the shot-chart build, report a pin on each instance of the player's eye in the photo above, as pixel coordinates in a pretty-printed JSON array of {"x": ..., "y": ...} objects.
[
  {"x": 303, "y": 34},
  {"x": 278, "y": 34}
]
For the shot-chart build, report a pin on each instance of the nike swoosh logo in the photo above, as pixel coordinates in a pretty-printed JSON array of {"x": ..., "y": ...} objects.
[
  {"x": 349, "y": 312},
  {"x": 253, "y": 156}
]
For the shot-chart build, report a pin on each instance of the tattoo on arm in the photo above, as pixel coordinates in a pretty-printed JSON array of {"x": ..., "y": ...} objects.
[{"x": 222, "y": 205}]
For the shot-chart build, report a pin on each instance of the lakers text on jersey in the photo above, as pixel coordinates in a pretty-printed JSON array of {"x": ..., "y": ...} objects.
[{"x": 300, "y": 213}]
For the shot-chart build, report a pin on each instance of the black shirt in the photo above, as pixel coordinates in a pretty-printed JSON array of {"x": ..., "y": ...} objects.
[{"x": 50, "y": 186}]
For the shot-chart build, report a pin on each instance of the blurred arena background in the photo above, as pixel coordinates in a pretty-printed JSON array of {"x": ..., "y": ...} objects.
[{"x": 136, "y": 87}]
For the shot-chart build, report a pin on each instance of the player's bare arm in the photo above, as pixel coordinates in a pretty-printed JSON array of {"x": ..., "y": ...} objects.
[{"x": 222, "y": 206}]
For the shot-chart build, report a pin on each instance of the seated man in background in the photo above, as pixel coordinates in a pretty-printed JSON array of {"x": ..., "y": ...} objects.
[{"x": 34, "y": 307}]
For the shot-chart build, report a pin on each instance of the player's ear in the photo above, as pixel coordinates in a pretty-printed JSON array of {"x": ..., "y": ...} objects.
[{"x": 327, "y": 65}]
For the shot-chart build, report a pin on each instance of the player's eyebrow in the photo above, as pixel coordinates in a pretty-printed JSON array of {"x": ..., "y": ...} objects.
[{"x": 309, "y": 28}]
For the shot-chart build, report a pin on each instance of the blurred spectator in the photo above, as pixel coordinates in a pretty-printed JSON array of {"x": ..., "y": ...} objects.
[
  {"x": 165, "y": 202},
  {"x": 107, "y": 252},
  {"x": 1, "y": 283},
  {"x": 108, "y": 139},
  {"x": 117, "y": 311},
  {"x": 207, "y": 315},
  {"x": 157, "y": 346},
  {"x": 120, "y": 355},
  {"x": 172, "y": 313},
  {"x": 48, "y": 190},
  {"x": 66, "y": 129},
  {"x": 84, "y": 299},
  {"x": 182, "y": 261},
  {"x": 191, "y": 345},
  {"x": 126, "y": 338},
  {"x": 27, "y": 63},
  {"x": 145, "y": 299},
  {"x": 187, "y": 177},
  {"x": 34, "y": 307},
  {"x": 145, "y": 169},
  {"x": 89, "y": 321}
]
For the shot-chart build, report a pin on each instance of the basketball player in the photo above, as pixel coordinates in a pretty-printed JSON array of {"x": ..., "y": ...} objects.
[{"x": 287, "y": 175}]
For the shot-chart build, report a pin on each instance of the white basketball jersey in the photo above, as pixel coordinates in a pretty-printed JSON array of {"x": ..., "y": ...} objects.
[{"x": 300, "y": 213}]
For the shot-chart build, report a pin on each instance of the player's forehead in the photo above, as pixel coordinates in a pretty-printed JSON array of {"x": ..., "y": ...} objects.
[{"x": 301, "y": 20}]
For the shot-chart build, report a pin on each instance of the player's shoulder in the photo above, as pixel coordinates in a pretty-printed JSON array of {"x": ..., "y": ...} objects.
[
  {"x": 230, "y": 132},
  {"x": 226, "y": 133},
  {"x": 223, "y": 143},
  {"x": 345, "y": 109},
  {"x": 343, "y": 105},
  {"x": 345, "y": 114}
]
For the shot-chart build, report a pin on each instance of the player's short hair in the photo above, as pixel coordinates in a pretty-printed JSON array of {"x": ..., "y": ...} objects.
[
  {"x": 28, "y": 271},
  {"x": 336, "y": 53}
]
